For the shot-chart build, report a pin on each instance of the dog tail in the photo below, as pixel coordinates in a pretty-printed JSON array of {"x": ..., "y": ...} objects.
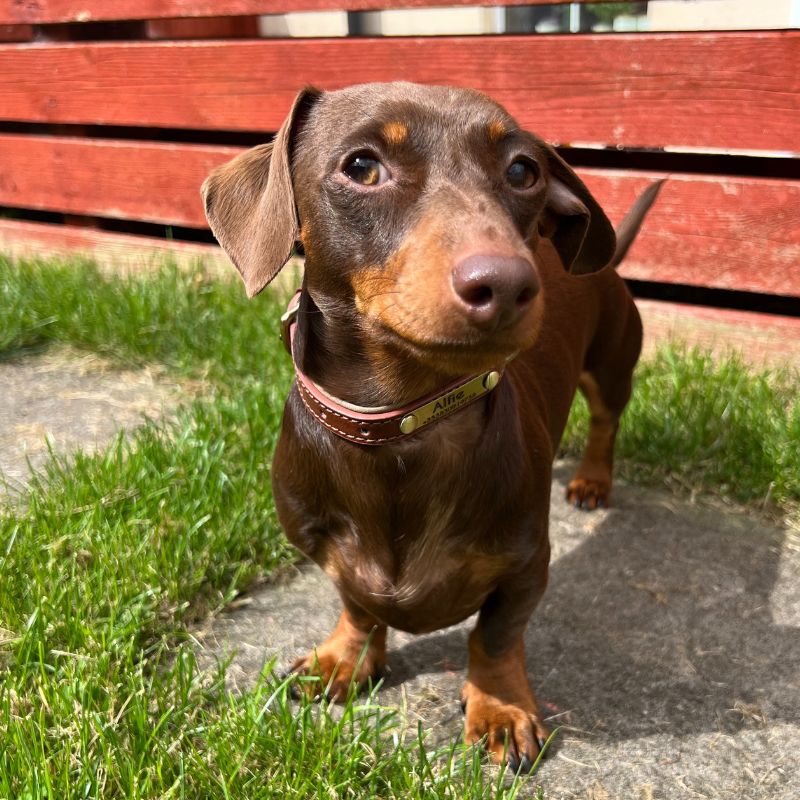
[{"x": 629, "y": 227}]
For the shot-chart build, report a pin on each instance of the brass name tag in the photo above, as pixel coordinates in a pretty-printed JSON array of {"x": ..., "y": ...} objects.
[{"x": 449, "y": 403}]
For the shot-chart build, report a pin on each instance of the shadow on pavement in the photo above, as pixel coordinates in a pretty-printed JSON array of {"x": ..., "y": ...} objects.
[{"x": 658, "y": 621}]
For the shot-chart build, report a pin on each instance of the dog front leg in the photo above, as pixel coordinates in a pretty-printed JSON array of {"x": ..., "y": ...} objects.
[
  {"x": 351, "y": 655},
  {"x": 499, "y": 703}
]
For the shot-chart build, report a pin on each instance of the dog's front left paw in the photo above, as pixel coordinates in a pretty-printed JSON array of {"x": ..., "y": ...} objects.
[{"x": 512, "y": 730}]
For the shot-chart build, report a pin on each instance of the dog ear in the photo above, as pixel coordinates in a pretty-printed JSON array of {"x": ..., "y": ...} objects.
[
  {"x": 574, "y": 222},
  {"x": 250, "y": 206}
]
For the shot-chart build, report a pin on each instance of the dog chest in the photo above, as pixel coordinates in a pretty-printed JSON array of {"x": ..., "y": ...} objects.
[{"x": 425, "y": 571}]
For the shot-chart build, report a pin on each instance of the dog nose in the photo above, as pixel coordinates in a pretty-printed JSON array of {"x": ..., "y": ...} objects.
[{"x": 495, "y": 290}]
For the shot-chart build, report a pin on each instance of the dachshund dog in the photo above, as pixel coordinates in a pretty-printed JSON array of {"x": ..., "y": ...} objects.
[{"x": 459, "y": 286}]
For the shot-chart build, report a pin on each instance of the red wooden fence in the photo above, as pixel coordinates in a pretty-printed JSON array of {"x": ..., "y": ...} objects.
[{"x": 667, "y": 94}]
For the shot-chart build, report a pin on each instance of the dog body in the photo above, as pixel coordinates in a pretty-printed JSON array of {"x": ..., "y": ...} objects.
[{"x": 441, "y": 241}]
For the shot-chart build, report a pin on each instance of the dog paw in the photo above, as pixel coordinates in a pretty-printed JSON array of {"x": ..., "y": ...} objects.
[
  {"x": 338, "y": 671},
  {"x": 513, "y": 732},
  {"x": 588, "y": 494}
]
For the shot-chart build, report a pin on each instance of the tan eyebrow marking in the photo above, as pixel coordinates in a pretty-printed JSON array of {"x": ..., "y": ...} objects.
[
  {"x": 497, "y": 130},
  {"x": 394, "y": 132}
]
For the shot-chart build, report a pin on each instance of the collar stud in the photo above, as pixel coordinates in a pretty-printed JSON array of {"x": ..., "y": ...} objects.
[
  {"x": 491, "y": 380},
  {"x": 408, "y": 424}
]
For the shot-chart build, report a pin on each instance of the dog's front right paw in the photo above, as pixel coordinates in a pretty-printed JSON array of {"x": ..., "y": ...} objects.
[
  {"x": 337, "y": 673},
  {"x": 345, "y": 662}
]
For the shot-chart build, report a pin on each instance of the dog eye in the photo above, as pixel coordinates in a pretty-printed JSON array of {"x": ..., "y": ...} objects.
[
  {"x": 366, "y": 170},
  {"x": 521, "y": 174}
]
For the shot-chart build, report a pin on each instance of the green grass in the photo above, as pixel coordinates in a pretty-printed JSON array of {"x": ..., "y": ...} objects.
[
  {"x": 120, "y": 727},
  {"x": 186, "y": 321},
  {"x": 101, "y": 572},
  {"x": 111, "y": 557},
  {"x": 708, "y": 425}
]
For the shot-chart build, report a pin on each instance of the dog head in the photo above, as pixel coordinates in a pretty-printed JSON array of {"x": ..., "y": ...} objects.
[{"x": 420, "y": 209}]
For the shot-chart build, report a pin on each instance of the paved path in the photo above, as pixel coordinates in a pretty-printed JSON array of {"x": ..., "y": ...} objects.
[
  {"x": 668, "y": 644},
  {"x": 71, "y": 400}
]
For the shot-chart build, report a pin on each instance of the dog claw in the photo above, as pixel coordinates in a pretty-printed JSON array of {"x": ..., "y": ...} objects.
[
  {"x": 587, "y": 495},
  {"x": 526, "y": 765},
  {"x": 284, "y": 675}
]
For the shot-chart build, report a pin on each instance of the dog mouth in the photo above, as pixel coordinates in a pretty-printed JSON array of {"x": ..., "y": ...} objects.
[{"x": 463, "y": 348}]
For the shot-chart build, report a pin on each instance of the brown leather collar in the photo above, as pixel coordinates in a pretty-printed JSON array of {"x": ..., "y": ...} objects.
[{"x": 381, "y": 425}]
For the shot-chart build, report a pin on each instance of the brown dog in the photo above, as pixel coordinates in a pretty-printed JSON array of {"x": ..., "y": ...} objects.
[{"x": 445, "y": 248}]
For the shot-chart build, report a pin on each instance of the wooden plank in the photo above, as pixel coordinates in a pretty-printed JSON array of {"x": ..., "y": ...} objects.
[
  {"x": 719, "y": 231},
  {"x": 722, "y": 232},
  {"x": 19, "y": 238},
  {"x": 107, "y": 178},
  {"x": 125, "y": 253},
  {"x": 649, "y": 90},
  {"x": 760, "y": 339},
  {"x": 48, "y": 11}
]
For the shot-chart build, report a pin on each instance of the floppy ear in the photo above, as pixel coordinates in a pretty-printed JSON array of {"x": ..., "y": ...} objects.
[
  {"x": 250, "y": 204},
  {"x": 574, "y": 222}
]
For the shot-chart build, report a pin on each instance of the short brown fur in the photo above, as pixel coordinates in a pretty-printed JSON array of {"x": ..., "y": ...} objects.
[
  {"x": 421, "y": 533},
  {"x": 395, "y": 132}
]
